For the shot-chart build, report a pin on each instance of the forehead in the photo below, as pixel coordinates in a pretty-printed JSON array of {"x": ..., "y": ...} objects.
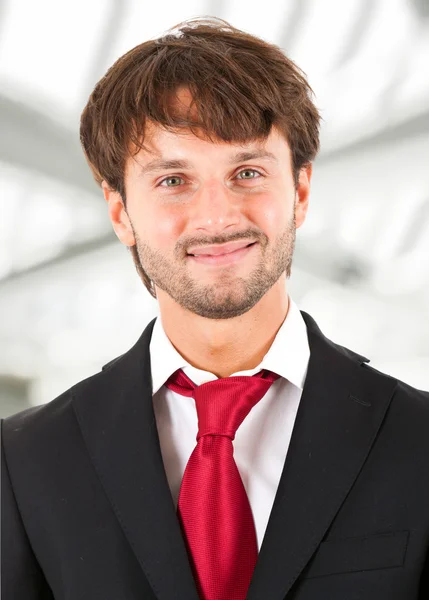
[{"x": 159, "y": 142}]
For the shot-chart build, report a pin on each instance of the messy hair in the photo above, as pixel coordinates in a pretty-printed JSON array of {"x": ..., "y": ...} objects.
[{"x": 240, "y": 86}]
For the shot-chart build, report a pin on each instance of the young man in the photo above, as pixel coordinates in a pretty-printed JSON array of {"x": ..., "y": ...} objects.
[{"x": 234, "y": 451}]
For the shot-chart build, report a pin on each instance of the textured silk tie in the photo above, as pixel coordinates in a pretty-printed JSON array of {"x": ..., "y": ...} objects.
[{"x": 213, "y": 508}]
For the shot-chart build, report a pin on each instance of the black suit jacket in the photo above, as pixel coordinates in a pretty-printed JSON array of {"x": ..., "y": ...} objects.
[{"x": 87, "y": 513}]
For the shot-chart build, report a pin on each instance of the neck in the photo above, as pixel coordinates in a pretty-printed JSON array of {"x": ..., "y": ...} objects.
[{"x": 226, "y": 346}]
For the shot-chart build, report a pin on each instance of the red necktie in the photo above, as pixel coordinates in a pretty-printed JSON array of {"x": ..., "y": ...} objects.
[{"x": 213, "y": 508}]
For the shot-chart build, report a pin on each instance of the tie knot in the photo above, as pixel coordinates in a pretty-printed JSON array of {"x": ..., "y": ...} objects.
[{"x": 223, "y": 404}]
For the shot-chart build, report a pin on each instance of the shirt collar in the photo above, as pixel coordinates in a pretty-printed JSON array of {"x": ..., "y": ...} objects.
[{"x": 288, "y": 355}]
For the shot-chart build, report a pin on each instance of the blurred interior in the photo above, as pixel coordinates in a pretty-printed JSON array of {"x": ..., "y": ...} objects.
[{"x": 70, "y": 298}]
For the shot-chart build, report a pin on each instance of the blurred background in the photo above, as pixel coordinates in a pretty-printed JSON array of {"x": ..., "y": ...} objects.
[{"x": 70, "y": 298}]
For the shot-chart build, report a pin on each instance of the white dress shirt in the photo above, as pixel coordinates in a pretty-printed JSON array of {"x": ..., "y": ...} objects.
[{"x": 262, "y": 440}]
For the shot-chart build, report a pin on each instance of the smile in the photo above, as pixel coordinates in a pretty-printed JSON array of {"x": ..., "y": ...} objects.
[{"x": 223, "y": 259}]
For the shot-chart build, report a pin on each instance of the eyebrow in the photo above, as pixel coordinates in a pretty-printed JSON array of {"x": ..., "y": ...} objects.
[{"x": 166, "y": 164}]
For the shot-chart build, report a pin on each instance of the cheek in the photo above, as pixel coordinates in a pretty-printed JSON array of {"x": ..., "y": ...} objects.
[
  {"x": 165, "y": 228},
  {"x": 274, "y": 212}
]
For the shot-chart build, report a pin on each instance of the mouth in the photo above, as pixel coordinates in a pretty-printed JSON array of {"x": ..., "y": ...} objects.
[{"x": 223, "y": 259}]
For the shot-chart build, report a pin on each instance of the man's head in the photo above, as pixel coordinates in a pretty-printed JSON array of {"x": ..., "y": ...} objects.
[{"x": 202, "y": 95}]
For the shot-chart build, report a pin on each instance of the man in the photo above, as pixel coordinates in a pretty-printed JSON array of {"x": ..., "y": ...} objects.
[{"x": 234, "y": 451}]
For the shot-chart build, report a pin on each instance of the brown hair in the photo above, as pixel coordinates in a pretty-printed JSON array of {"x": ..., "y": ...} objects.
[{"x": 240, "y": 85}]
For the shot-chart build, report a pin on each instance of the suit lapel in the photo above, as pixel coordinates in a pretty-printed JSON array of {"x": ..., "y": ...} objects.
[
  {"x": 116, "y": 416},
  {"x": 341, "y": 410}
]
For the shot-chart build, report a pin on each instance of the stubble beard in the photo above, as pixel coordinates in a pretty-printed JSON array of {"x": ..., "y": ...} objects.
[{"x": 229, "y": 295}]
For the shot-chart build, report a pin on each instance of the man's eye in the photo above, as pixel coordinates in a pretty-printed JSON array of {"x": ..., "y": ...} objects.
[
  {"x": 249, "y": 171},
  {"x": 171, "y": 178},
  {"x": 176, "y": 179}
]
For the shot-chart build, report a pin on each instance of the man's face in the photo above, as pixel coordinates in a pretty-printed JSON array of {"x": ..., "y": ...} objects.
[{"x": 213, "y": 200}]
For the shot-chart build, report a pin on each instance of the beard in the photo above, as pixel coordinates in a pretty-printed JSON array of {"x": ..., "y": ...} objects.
[{"x": 229, "y": 295}]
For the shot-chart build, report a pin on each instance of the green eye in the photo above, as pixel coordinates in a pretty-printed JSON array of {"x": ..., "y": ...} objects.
[
  {"x": 171, "y": 178},
  {"x": 177, "y": 180},
  {"x": 248, "y": 171}
]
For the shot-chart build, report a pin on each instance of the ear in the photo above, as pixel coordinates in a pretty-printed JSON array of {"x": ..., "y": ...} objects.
[
  {"x": 302, "y": 194},
  {"x": 118, "y": 215}
]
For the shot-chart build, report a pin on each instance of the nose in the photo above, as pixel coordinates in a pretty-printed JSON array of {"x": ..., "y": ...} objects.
[{"x": 214, "y": 208}]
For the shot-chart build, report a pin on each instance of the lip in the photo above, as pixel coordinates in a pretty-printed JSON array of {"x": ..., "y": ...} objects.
[
  {"x": 223, "y": 259},
  {"x": 218, "y": 250}
]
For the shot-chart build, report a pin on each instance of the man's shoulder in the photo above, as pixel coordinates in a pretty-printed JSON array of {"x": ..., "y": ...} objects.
[
  {"x": 414, "y": 399},
  {"x": 37, "y": 421},
  {"x": 403, "y": 389}
]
